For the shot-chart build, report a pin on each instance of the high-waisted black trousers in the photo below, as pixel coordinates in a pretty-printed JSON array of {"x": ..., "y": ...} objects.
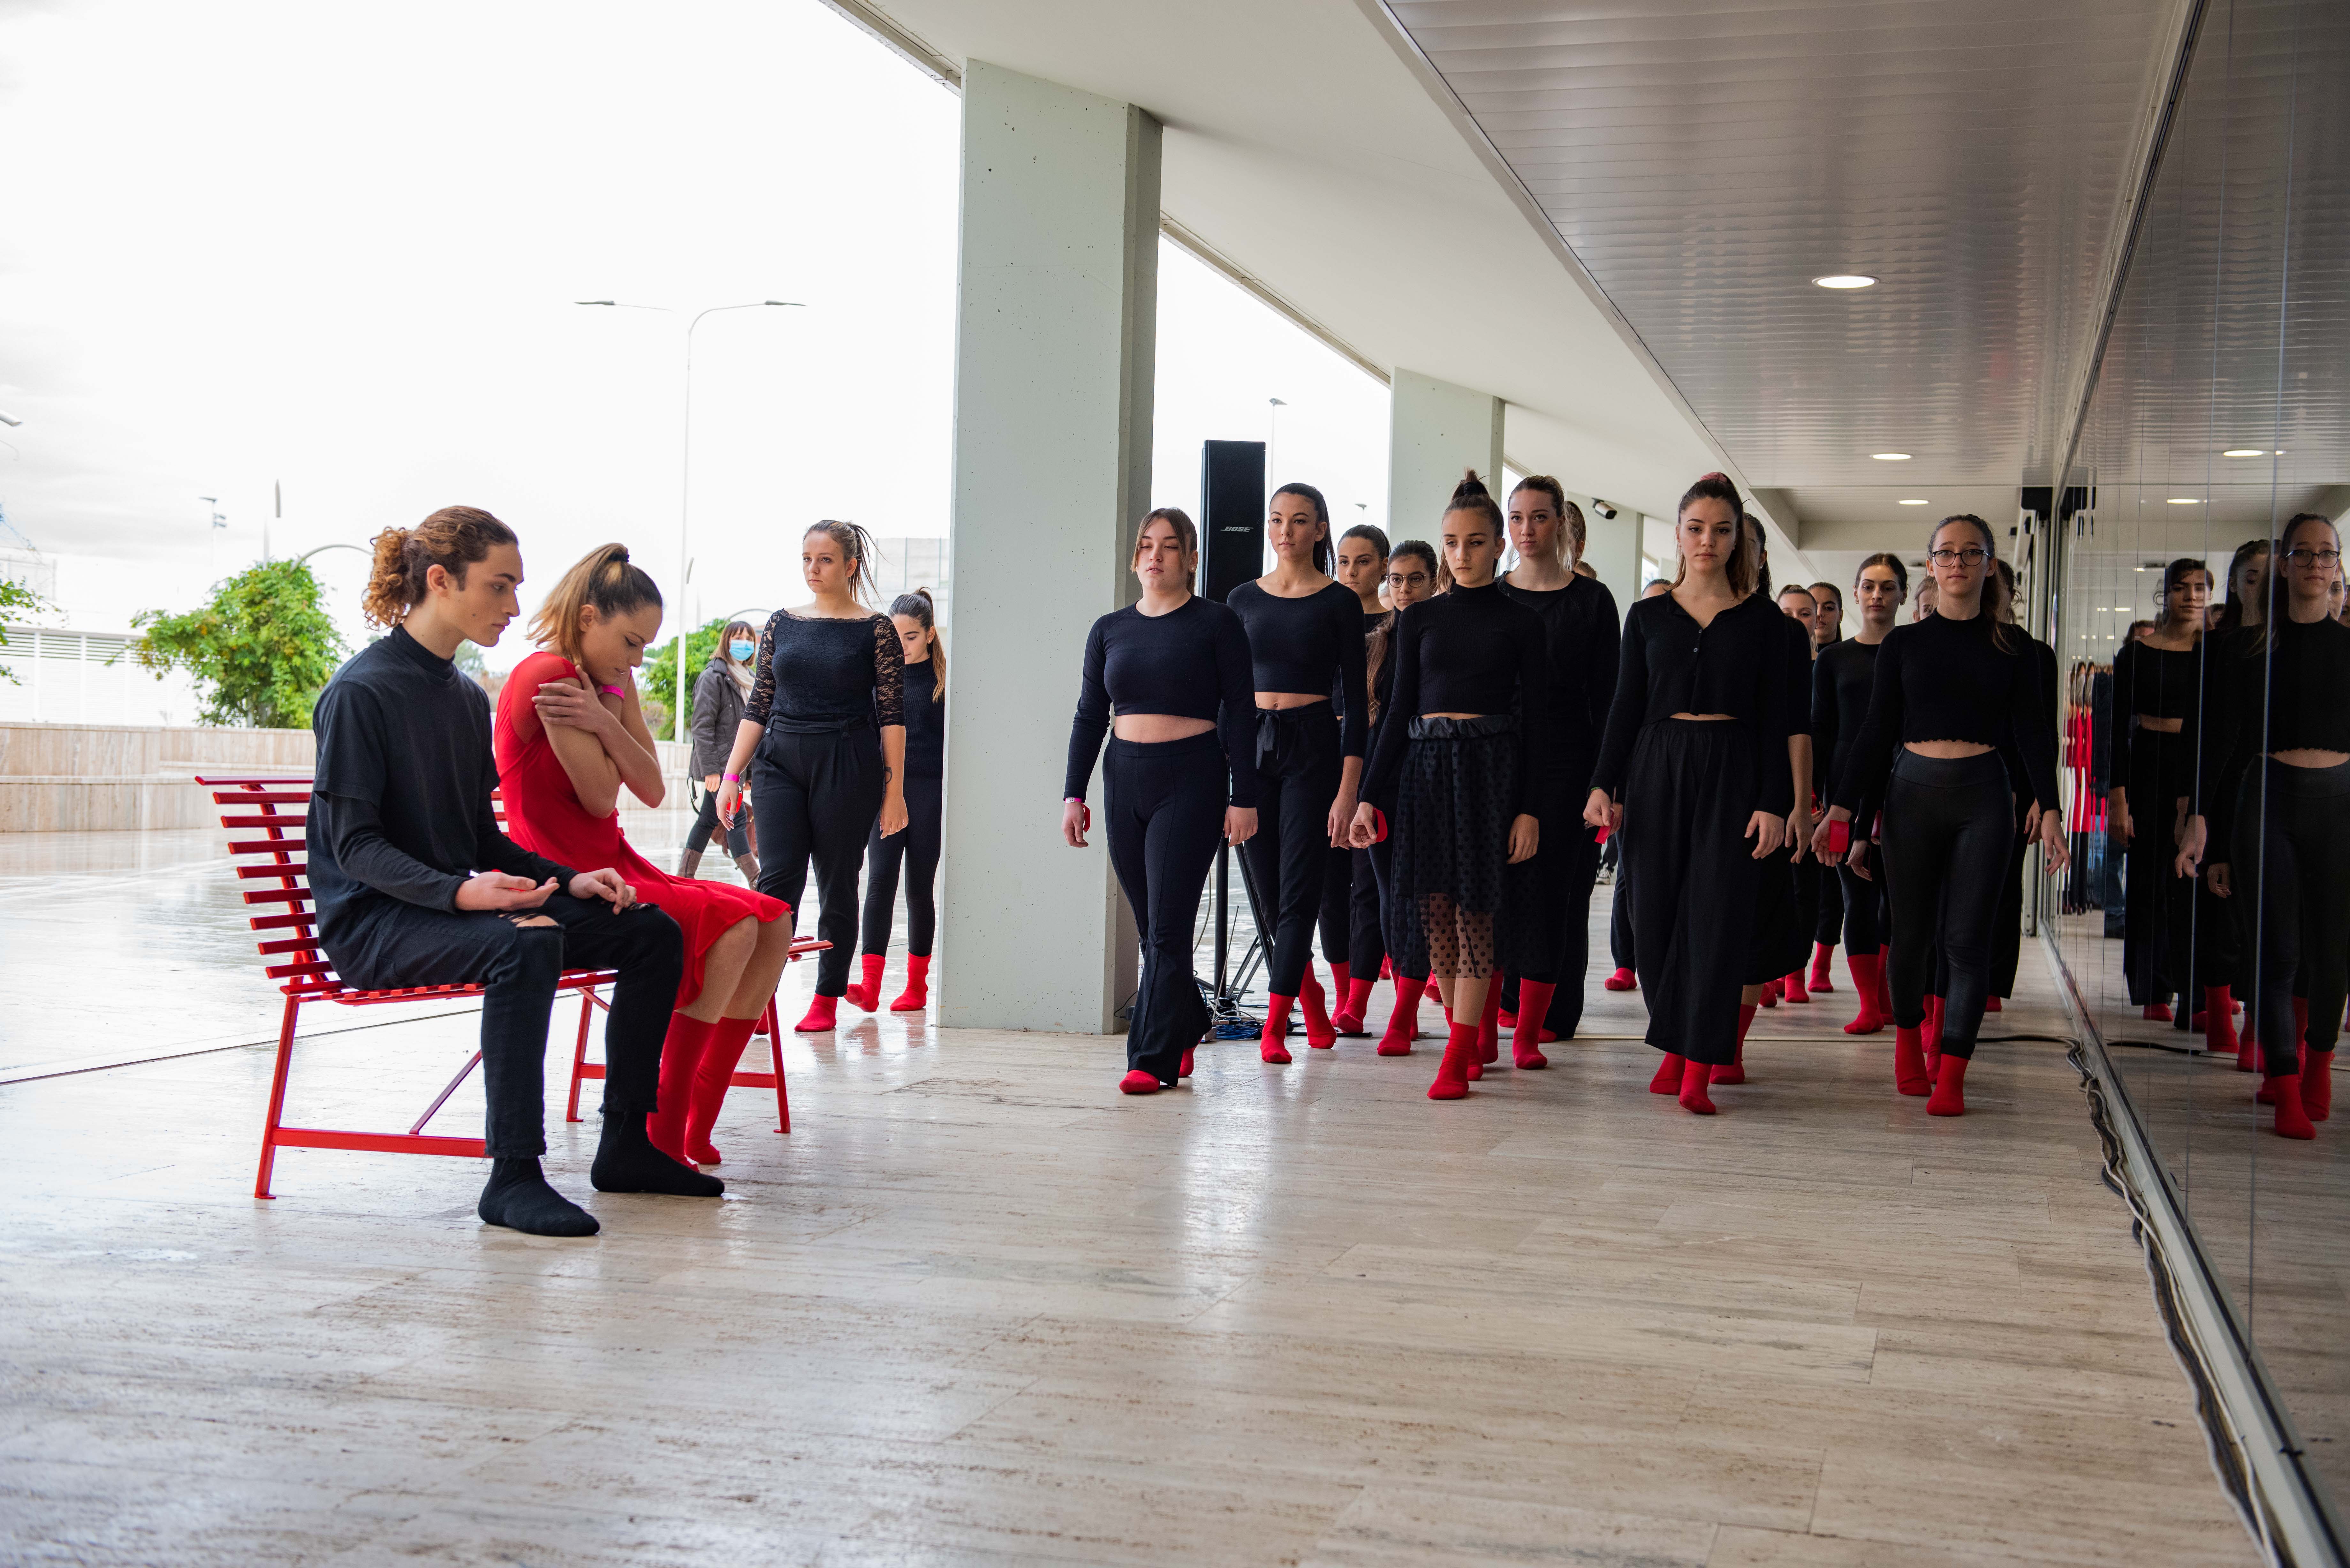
[
  {"x": 817, "y": 795},
  {"x": 517, "y": 965},
  {"x": 2289, "y": 862},
  {"x": 917, "y": 850},
  {"x": 1163, "y": 809},
  {"x": 2157, "y": 939},
  {"x": 1829, "y": 930},
  {"x": 1297, "y": 770},
  {"x": 1689, "y": 869},
  {"x": 1949, "y": 823},
  {"x": 1367, "y": 946}
]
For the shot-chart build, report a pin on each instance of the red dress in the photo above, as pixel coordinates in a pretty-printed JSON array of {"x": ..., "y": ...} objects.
[{"x": 545, "y": 816}]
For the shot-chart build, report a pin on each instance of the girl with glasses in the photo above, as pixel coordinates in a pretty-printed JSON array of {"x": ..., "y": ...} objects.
[{"x": 1410, "y": 578}]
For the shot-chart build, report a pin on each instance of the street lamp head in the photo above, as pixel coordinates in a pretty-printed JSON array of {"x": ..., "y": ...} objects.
[
  {"x": 790, "y": 302},
  {"x": 11, "y": 420},
  {"x": 595, "y": 302}
]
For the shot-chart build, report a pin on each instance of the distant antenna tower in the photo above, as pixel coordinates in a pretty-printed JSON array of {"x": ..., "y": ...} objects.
[
  {"x": 220, "y": 518},
  {"x": 11, "y": 536}
]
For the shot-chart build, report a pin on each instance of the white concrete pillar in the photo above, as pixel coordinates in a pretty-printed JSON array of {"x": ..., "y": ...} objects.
[
  {"x": 1435, "y": 430},
  {"x": 1055, "y": 333}
]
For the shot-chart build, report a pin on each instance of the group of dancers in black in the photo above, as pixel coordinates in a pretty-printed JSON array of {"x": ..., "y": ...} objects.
[{"x": 1429, "y": 771}]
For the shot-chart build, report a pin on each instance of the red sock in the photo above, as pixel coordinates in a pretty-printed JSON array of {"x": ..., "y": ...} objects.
[
  {"x": 1909, "y": 1063},
  {"x": 2292, "y": 1115},
  {"x": 1950, "y": 1089},
  {"x": 1933, "y": 1025},
  {"x": 728, "y": 1039},
  {"x": 1185, "y": 1070},
  {"x": 1667, "y": 1080},
  {"x": 2218, "y": 1019},
  {"x": 1822, "y": 960},
  {"x": 2248, "y": 1051},
  {"x": 1348, "y": 1020},
  {"x": 1693, "y": 1082},
  {"x": 681, "y": 1056},
  {"x": 1885, "y": 983},
  {"x": 1320, "y": 1034},
  {"x": 1138, "y": 1082},
  {"x": 1622, "y": 980},
  {"x": 1770, "y": 993},
  {"x": 1340, "y": 977},
  {"x": 1270, "y": 1044},
  {"x": 865, "y": 994},
  {"x": 917, "y": 994},
  {"x": 820, "y": 1015},
  {"x": 1459, "y": 1055},
  {"x": 1403, "y": 1022},
  {"x": 1794, "y": 987},
  {"x": 2156, "y": 1013},
  {"x": 2317, "y": 1084},
  {"x": 1307, "y": 985},
  {"x": 2301, "y": 1022},
  {"x": 1489, "y": 1031},
  {"x": 1734, "y": 1070},
  {"x": 1387, "y": 967},
  {"x": 1992, "y": 1004},
  {"x": 1526, "y": 1038},
  {"x": 1863, "y": 969}
]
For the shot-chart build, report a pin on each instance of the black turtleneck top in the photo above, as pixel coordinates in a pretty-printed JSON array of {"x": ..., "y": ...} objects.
[
  {"x": 1944, "y": 680},
  {"x": 1736, "y": 665},
  {"x": 1467, "y": 650},
  {"x": 1311, "y": 643}
]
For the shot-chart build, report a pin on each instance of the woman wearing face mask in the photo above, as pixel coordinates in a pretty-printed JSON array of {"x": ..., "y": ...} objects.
[
  {"x": 1949, "y": 693},
  {"x": 916, "y": 619},
  {"x": 2278, "y": 723},
  {"x": 1581, "y": 630},
  {"x": 1466, "y": 776},
  {"x": 718, "y": 698},
  {"x": 1411, "y": 579},
  {"x": 824, "y": 737},
  {"x": 1842, "y": 680},
  {"x": 1694, "y": 774},
  {"x": 569, "y": 736},
  {"x": 1305, "y": 641},
  {"x": 1169, "y": 666},
  {"x": 1350, "y": 894}
]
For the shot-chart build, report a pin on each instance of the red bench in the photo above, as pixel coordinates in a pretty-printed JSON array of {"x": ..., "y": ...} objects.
[{"x": 275, "y": 873}]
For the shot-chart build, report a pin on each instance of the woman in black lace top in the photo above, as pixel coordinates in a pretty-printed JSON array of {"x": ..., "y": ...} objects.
[{"x": 824, "y": 736}]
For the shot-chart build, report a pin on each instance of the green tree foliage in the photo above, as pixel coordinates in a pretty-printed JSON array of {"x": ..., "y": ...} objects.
[
  {"x": 658, "y": 682},
  {"x": 260, "y": 650},
  {"x": 16, "y": 596}
]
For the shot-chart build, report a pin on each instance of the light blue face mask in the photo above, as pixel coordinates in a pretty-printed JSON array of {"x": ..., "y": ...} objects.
[{"x": 742, "y": 651}]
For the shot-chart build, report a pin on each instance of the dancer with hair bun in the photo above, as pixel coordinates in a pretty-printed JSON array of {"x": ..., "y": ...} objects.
[
  {"x": 824, "y": 737},
  {"x": 1693, "y": 773},
  {"x": 1950, "y": 692},
  {"x": 570, "y": 736},
  {"x": 916, "y": 618},
  {"x": 1467, "y": 777},
  {"x": 1842, "y": 680}
]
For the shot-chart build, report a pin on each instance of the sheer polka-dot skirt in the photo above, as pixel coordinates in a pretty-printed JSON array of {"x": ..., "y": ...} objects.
[{"x": 1456, "y": 904}]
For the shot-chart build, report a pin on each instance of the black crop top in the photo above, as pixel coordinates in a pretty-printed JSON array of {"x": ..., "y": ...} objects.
[
  {"x": 1944, "y": 680},
  {"x": 1192, "y": 662},
  {"x": 1467, "y": 650},
  {"x": 1581, "y": 633},
  {"x": 1842, "y": 677},
  {"x": 1737, "y": 665},
  {"x": 2282, "y": 693},
  {"x": 926, "y": 722},
  {"x": 1309, "y": 644},
  {"x": 2159, "y": 683},
  {"x": 834, "y": 672}
]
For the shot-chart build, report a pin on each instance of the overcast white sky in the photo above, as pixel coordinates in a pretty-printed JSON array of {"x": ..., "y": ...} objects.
[{"x": 336, "y": 247}]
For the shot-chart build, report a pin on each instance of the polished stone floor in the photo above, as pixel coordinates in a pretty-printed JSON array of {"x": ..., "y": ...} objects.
[{"x": 980, "y": 1309}]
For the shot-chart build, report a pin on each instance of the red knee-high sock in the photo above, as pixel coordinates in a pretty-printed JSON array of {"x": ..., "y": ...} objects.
[
  {"x": 1348, "y": 1020},
  {"x": 1949, "y": 1097},
  {"x": 1693, "y": 1081},
  {"x": 1525, "y": 1039},
  {"x": 917, "y": 994},
  {"x": 1452, "y": 1074},
  {"x": 1734, "y": 1070},
  {"x": 1320, "y": 1034},
  {"x": 1271, "y": 1045},
  {"x": 2317, "y": 1084},
  {"x": 1489, "y": 1031},
  {"x": 728, "y": 1037},
  {"x": 1863, "y": 969},
  {"x": 865, "y": 994},
  {"x": 1340, "y": 973},
  {"x": 1667, "y": 1080},
  {"x": 2218, "y": 1019},
  {"x": 1910, "y": 1076},
  {"x": 1403, "y": 1022},
  {"x": 682, "y": 1050},
  {"x": 1822, "y": 960},
  {"x": 821, "y": 1017},
  {"x": 1386, "y": 966},
  {"x": 1933, "y": 1025}
]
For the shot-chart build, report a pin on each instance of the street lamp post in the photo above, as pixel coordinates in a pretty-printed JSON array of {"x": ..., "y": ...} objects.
[{"x": 685, "y": 479}]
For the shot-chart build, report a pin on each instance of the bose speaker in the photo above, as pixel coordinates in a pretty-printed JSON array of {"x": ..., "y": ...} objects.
[{"x": 1231, "y": 515}]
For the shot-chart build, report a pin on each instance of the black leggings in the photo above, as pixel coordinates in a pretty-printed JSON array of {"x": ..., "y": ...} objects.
[
  {"x": 1949, "y": 823},
  {"x": 1338, "y": 915},
  {"x": 817, "y": 795},
  {"x": 1367, "y": 947},
  {"x": 918, "y": 847},
  {"x": 1163, "y": 809},
  {"x": 1620, "y": 917},
  {"x": 2157, "y": 937},
  {"x": 1297, "y": 770},
  {"x": 2289, "y": 861},
  {"x": 705, "y": 823},
  {"x": 1829, "y": 932}
]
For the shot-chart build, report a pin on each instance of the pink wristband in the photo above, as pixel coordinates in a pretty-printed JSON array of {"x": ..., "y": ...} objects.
[
  {"x": 613, "y": 691},
  {"x": 734, "y": 778}
]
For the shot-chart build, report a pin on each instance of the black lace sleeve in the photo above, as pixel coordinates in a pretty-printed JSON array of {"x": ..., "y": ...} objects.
[
  {"x": 763, "y": 685},
  {"x": 889, "y": 674}
]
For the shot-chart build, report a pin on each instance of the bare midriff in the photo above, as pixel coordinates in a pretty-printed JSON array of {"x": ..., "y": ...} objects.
[
  {"x": 1452, "y": 715},
  {"x": 1157, "y": 728},
  {"x": 1709, "y": 718},
  {"x": 1277, "y": 701},
  {"x": 2311, "y": 757},
  {"x": 1948, "y": 750},
  {"x": 2161, "y": 726}
]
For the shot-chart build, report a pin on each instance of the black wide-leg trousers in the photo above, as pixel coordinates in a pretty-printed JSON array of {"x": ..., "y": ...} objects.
[
  {"x": 1689, "y": 869},
  {"x": 1163, "y": 809},
  {"x": 1297, "y": 772},
  {"x": 817, "y": 795},
  {"x": 1949, "y": 824}
]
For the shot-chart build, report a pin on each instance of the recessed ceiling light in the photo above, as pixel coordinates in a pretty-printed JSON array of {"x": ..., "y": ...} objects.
[
  {"x": 2250, "y": 451},
  {"x": 1890, "y": 456},
  {"x": 1918, "y": 501},
  {"x": 2187, "y": 501},
  {"x": 1846, "y": 280}
]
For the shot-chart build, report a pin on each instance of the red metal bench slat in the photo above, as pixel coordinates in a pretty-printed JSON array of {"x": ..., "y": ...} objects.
[
  {"x": 261, "y": 797},
  {"x": 267, "y": 846},
  {"x": 292, "y": 819},
  {"x": 290, "y": 868},
  {"x": 278, "y": 896}
]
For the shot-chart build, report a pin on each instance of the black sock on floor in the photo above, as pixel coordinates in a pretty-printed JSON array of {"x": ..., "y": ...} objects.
[
  {"x": 626, "y": 1161},
  {"x": 519, "y": 1198}
]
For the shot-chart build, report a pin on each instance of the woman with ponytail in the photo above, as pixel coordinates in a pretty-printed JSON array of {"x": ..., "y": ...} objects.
[
  {"x": 718, "y": 699},
  {"x": 916, "y": 616},
  {"x": 1693, "y": 772},
  {"x": 570, "y": 736},
  {"x": 824, "y": 739},
  {"x": 1463, "y": 749}
]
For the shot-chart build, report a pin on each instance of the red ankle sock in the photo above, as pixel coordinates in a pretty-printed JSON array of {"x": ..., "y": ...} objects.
[
  {"x": 1403, "y": 1022},
  {"x": 1269, "y": 1044},
  {"x": 1526, "y": 1038},
  {"x": 1863, "y": 969},
  {"x": 1667, "y": 1080},
  {"x": 1320, "y": 1034},
  {"x": 1734, "y": 1070},
  {"x": 1794, "y": 987},
  {"x": 865, "y": 994},
  {"x": 1770, "y": 994},
  {"x": 1185, "y": 1070},
  {"x": 681, "y": 1058},
  {"x": 1693, "y": 1081},
  {"x": 1452, "y": 1074},
  {"x": 729, "y": 1037},
  {"x": 2156, "y": 1013},
  {"x": 1909, "y": 1063},
  {"x": 2218, "y": 1019},
  {"x": 820, "y": 1015},
  {"x": 1307, "y": 985},
  {"x": 1489, "y": 1031},
  {"x": 1822, "y": 960},
  {"x": 1348, "y": 1020},
  {"x": 1933, "y": 1026},
  {"x": 1993, "y": 1004},
  {"x": 1340, "y": 976},
  {"x": 1622, "y": 980},
  {"x": 2292, "y": 1115},
  {"x": 1138, "y": 1082},
  {"x": 1950, "y": 1089},
  {"x": 917, "y": 994},
  {"x": 2317, "y": 1084}
]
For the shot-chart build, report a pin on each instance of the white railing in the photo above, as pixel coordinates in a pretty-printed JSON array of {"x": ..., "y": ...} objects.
[{"x": 68, "y": 677}]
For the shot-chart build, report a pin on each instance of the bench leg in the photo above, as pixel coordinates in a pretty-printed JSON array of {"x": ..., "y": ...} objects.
[
  {"x": 277, "y": 1097},
  {"x": 580, "y": 1052}
]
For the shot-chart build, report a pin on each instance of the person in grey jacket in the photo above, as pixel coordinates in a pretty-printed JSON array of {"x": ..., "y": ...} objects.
[{"x": 718, "y": 701}]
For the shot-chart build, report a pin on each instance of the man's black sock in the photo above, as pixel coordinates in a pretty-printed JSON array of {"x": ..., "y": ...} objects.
[
  {"x": 519, "y": 1198},
  {"x": 626, "y": 1161}
]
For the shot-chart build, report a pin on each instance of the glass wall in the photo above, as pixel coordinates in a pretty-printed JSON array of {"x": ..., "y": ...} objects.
[{"x": 2201, "y": 690}]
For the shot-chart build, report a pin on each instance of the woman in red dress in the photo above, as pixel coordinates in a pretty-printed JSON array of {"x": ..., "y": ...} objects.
[{"x": 569, "y": 736}]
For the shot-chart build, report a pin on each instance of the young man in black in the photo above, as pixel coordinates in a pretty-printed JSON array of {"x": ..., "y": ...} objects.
[{"x": 417, "y": 886}]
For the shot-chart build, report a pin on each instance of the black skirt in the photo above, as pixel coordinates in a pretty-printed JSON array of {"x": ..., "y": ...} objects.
[{"x": 1455, "y": 898}]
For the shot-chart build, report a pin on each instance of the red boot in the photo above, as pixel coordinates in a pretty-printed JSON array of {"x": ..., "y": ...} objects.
[
  {"x": 1669, "y": 1073},
  {"x": 680, "y": 1059},
  {"x": 728, "y": 1038},
  {"x": 1320, "y": 1034},
  {"x": 1909, "y": 1063},
  {"x": 1863, "y": 968},
  {"x": 821, "y": 1016},
  {"x": 917, "y": 994},
  {"x": 865, "y": 994},
  {"x": 1792, "y": 988},
  {"x": 2317, "y": 1084},
  {"x": 1403, "y": 1022},
  {"x": 1526, "y": 1036},
  {"x": 1822, "y": 960},
  {"x": 1348, "y": 1020},
  {"x": 1489, "y": 1022},
  {"x": 1950, "y": 1089},
  {"x": 1272, "y": 1045},
  {"x": 2219, "y": 1020},
  {"x": 1693, "y": 1081},
  {"x": 1734, "y": 1070},
  {"x": 1621, "y": 979},
  {"x": 1460, "y": 1057}
]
